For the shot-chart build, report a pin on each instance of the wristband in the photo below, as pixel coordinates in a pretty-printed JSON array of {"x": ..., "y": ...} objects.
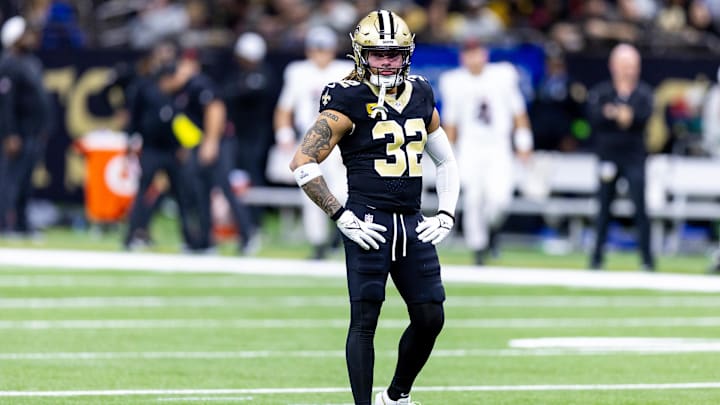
[
  {"x": 306, "y": 172},
  {"x": 285, "y": 135},
  {"x": 523, "y": 139},
  {"x": 337, "y": 214}
]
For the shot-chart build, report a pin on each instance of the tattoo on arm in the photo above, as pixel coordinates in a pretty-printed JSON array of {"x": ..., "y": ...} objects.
[
  {"x": 317, "y": 139},
  {"x": 319, "y": 192},
  {"x": 330, "y": 115}
]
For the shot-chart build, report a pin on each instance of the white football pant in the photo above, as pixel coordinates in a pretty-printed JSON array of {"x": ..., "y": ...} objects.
[{"x": 487, "y": 190}]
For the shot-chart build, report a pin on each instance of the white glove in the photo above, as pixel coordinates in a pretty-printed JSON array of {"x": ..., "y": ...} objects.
[
  {"x": 435, "y": 229},
  {"x": 363, "y": 233}
]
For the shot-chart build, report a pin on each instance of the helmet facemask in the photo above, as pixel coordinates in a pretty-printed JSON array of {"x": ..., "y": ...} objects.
[
  {"x": 382, "y": 30},
  {"x": 363, "y": 67}
]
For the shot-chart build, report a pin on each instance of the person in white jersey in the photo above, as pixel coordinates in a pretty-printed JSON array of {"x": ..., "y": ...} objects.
[
  {"x": 483, "y": 113},
  {"x": 295, "y": 113}
]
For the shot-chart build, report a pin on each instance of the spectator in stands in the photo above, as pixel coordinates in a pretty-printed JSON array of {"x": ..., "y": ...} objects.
[
  {"x": 482, "y": 108},
  {"x": 60, "y": 27},
  {"x": 604, "y": 25},
  {"x": 479, "y": 20},
  {"x": 158, "y": 19},
  {"x": 284, "y": 23},
  {"x": 295, "y": 113},
  {"x": 25, "y": 122},
  {"x": 336, "y": 14},
  {"x": 618, "y": 111}
]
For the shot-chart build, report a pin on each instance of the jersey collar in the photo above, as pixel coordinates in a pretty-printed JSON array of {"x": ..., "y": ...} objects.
[{"x": 397, "y": 102}]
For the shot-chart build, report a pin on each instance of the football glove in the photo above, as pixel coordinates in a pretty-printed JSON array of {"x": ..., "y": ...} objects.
[
  {"x": 435, "y": 229},
  {"x": 363, "y": 233}
]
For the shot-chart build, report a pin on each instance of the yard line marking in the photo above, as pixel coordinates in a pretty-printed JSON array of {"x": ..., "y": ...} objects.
[
  {"x": 516, "y": 350},
  {"x": 170, "y": 301},
  {"x": 203, "y": 399},
  {"x": 335, "y": 390},
  {"x": 592, "y": 344},
  {"x": 335, "y": 301},
  {"x": 480, "y": 323},
  {"x": 173, "y": 263},
  {"x": 159, "y": 281}
]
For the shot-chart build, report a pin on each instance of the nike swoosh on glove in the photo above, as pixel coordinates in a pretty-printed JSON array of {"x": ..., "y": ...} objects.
[
  {"x": 363, "y": 233},
  {"x": 435, "y": 229}
]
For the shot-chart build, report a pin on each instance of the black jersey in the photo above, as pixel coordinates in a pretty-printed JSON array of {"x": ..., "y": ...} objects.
[{"x": 383, "y": 153}]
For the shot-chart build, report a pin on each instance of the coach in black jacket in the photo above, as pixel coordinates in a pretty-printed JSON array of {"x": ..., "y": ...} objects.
[
  {"x": 25, "y": 118},
  {"x": 618, "y": 112}
]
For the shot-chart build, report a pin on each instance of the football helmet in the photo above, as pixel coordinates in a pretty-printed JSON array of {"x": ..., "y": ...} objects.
[{"x": 382, "y": 30}]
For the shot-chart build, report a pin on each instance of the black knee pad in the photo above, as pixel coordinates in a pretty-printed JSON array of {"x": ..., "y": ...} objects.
[{"x": 429, "y": 316}]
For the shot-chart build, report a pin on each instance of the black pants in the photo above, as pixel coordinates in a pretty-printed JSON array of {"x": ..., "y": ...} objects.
[
  {"x": 207, "y": 177},
  {"x": 153, "y": 160},
  {"x": 16, "y": 185},
  {"x": 634, "y": 173}
]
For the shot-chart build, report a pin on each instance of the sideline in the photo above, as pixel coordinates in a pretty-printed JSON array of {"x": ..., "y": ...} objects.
[
  {"x": 174, "y": 263},
  {"x": 334, "y": 390}
]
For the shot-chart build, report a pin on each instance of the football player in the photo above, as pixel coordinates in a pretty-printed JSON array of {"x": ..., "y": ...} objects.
[
  {"x": 483, "y": 113},
  {"x": 383, "y": 120},
  {"x": 297, "y": 108}
]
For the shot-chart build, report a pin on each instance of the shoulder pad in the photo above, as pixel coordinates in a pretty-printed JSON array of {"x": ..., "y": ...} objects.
[
  {"x": 339, "y": 95},
  {"x": 420, "y": 81}
]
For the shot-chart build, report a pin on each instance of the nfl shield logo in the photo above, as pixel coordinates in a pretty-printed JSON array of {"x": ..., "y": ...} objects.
[{"x": 369, "y": 218}]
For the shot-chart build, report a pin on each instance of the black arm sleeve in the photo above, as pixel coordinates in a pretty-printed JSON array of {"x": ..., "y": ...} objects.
[{"x": 8, "y": 121}]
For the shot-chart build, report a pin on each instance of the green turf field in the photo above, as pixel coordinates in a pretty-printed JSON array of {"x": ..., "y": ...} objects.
[
  {"x": 117, "y": 337},
  {"x": 222, "y": 338}
]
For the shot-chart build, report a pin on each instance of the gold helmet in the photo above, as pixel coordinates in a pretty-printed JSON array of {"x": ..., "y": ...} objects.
[{"x": 382, "y": 30}]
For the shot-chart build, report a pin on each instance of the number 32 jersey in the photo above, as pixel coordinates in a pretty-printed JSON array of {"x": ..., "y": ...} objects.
[{"x": 383, "y": 152}]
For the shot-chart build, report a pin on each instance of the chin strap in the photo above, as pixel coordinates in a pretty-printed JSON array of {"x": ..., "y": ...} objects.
[{"x": 380, "y": 108}]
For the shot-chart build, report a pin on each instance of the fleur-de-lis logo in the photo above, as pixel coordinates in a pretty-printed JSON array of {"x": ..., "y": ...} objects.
[{"x": 325, "y": 98}]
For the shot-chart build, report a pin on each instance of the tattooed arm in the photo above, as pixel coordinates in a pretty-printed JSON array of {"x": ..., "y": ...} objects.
[{"x": 330, "y": 126}]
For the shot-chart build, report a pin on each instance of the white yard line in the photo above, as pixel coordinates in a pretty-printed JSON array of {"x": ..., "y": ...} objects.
[
  {"x": 335, "y": 390},
  {"x": 337, "y": 301},
  {"x": 205, "y": 399},
  {"x": 678, "y": 348},
  {"x": 172, "y": 263},
  {"x": 161, "y": 280},
  {"x": 479, "y": 323}
]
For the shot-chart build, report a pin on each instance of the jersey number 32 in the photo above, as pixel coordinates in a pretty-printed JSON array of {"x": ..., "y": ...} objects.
[{"x": 400, "y": 160}]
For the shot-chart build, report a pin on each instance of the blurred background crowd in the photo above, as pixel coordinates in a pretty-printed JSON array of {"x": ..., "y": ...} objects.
[
  {"x": 92, "y": 50},
  {"x": 659, "y": 25}
]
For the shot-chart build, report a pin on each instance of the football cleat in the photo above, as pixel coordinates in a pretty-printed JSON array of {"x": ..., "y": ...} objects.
[{"x": 382, "y": 398}]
